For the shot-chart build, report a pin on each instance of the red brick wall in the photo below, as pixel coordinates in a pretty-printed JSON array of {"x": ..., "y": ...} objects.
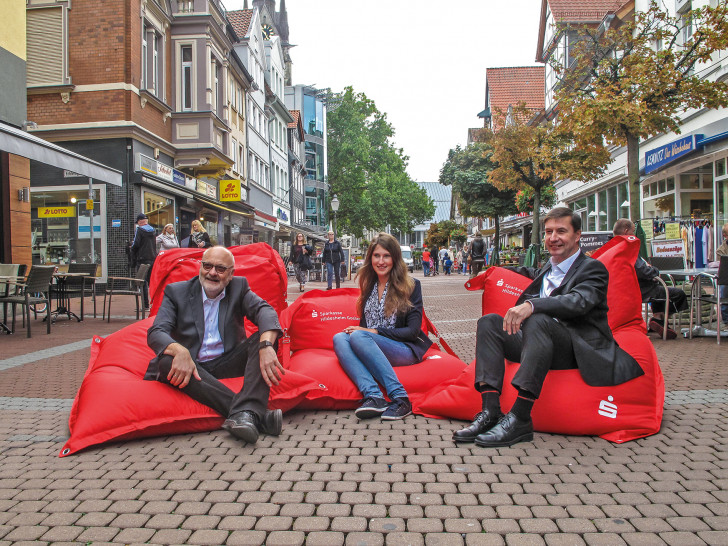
[{"x": 104, "y": 47}]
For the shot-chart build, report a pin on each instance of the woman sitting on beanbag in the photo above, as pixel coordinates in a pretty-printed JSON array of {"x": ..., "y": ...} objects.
[{"x": 389, "y": 332}]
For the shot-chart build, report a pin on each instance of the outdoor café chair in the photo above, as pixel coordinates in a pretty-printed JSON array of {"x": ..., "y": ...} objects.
[
  {"x": 35, "y": 290},
  {"x": 83, "y": 286},
  {"x": 126, "y": 286}
]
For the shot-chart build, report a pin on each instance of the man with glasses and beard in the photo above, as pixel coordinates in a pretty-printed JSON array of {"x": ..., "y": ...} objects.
[{"x": 199, "y": 338}]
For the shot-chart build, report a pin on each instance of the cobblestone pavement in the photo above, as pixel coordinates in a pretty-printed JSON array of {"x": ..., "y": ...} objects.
[{"x": 329, "y": 479}]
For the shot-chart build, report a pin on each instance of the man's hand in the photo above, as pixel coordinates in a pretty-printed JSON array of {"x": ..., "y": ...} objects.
[
  {"x": 515, "y": 316},
  {"x": 183, "y": 367},
  {"x": 270, "y": 367}
]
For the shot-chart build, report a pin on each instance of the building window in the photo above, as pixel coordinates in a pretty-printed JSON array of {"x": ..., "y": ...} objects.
[
  {"x": 185, "y": 6},
  {"x": 234, "y": 154},
  {"x": 144, "y": 56},
  {"x": 152, "y": 61},
  {"x": 215, "y": 85},
  {"x": 186, "y": 78},
  {"x": 46, "y": 46}
]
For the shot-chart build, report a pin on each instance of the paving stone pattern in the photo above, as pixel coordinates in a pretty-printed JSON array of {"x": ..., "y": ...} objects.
[{"x": 331, "y": 480}]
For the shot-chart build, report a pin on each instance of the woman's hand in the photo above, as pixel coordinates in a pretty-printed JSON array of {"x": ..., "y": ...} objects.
[
  {"x": 201, "y": 244},
  {"x": 350, "y": 329}
]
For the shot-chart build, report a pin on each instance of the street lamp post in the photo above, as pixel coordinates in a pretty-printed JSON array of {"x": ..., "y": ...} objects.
[{"x": 335, "y": 207}]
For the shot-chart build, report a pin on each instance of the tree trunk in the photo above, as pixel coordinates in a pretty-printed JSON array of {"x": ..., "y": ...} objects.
[
  {"x": 495, "y": 258},
  {"x": 536, "y": 229},
  {"x": 633, "y": 174}
]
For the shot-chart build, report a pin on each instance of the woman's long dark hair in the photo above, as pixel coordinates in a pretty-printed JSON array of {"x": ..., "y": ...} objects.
[{"x": 401, "y": 284}]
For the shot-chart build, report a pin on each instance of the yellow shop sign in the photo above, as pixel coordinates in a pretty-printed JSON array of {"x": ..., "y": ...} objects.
[
  {"x": 230, "y": 190},
  {"x": 57, "y": 212}
]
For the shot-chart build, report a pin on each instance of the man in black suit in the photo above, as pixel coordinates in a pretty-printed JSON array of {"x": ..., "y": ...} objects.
[
  {"x": 199, "y": 338},
  {"x": 651, "y": 291},
  {"x": 559, "y": 322}
]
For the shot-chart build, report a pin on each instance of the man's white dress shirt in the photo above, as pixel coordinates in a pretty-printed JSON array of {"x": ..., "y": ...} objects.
[{"x": 212, "y": 345}]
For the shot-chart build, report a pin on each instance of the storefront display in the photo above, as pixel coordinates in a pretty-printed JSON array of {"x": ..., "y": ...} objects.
[{"x": 61, "y": 226}]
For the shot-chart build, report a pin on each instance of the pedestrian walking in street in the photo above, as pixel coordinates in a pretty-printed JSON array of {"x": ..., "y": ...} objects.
[
  {"x": 301, "y": 259},
  {"x": 477, "y": 254},
  {"x": 332, "y": 257},
  {"x": 389, "y": 333},
  {"x": 426, "y": 262},
  {"x": 446, "y": 263},
  {"x": 194, "y": 360},
  {"x": 435, "y": 261},
  {"x": 199, "y": 237},
  {"x": 144, "y": 251},
  {"x": 167, "y": 240}
]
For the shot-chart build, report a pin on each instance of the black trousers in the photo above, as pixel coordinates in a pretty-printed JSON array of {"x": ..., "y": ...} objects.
[
  {"x": 678, "y": 300},
  {"x": 145, "y": 286},
  {"x": 243, "y": 360},
  {"x": 541, "y": 345}
]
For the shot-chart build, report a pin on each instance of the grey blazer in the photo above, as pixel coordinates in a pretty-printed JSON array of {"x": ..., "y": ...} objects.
[
  {"x": 580, "y": 304},
  {"x": 181, "y": 318}
]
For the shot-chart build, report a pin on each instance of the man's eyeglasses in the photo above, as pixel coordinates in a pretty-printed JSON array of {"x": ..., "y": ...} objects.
[{"x": 207, "y": 266}]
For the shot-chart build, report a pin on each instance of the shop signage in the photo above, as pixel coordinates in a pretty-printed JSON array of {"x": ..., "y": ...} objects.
[
  {"x": 147, "y": 164},
  {"x": 211, "y": 191},
  {"x": 591, "y": 240},
  {"x": 115, "y": 223},
  {"x": 89, "y": 204},
  {"x": 672, "y": 231},
  {"x": 190, "y": 183},
  {"x": 70, "y": 174},
  {"x": 57, "y": 212},
  {"x": 178, "y": 177},
  {"x": 648, "y": 228},
  {"x": 658, "y": 157},
  {"x": 230, "y": 190},
  {"x": 164, "y": 172},
  {"x": 668, "y": 249},
  {"x": 282, "y": 214},
  {"x": 201, "y": 187}
]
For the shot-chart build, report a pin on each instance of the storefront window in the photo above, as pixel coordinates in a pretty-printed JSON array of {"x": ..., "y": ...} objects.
[
  {"x": 160, "y": 210},
  {"x": 602, "y": 226},
  {"x": 612, "y": 204},
  {"x": 670, "y": 183},
  {"x": 720, "y": 167},
  {"x": 61, "y": 227},
  {"x": 689, "y": 181},
  {"x": 592, "y": 213},
  {"x": 623, "y": 200}
]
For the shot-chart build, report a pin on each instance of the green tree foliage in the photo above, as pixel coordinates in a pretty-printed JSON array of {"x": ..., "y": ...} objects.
[
  {"x": 535, "y": 155},
  {"x": 468, "y": 170},
  {"x": 637, "y": 78},
  {"x": 444, "y": 233},
  {"x": 367, "y": 173}
]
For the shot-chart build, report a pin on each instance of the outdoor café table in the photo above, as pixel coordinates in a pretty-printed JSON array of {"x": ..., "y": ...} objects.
[
  {"x": 711, "y": 273},
  {"x": 8, "y": 279},
  {"x": 64, "y": 303}
]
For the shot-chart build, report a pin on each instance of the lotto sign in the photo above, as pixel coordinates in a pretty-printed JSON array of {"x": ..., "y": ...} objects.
[
  {"x": 230, "y": 190},
  {"x": 57, "y": 212}
]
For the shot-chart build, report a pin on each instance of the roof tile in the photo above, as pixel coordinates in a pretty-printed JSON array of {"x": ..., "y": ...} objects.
[
  {"x": 514, "y": 84},
  {"x": 240, "y": 21},
  {"x": 582, "y": 11}
]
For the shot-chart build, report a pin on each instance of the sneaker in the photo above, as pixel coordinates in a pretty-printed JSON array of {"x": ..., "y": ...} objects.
[
  {"x": 371, "y": 407},
  {"x": 398, "y": 409}
]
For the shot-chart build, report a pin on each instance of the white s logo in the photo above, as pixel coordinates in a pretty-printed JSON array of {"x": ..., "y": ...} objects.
[{"x": 607, "y": 409}]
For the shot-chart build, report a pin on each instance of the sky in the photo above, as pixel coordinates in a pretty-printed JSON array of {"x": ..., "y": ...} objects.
[{"x": 421, "y": 61}]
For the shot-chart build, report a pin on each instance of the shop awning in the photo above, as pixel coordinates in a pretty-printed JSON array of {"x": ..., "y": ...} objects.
[
  {"x": 219, "y": 206},
  {"x": 20, "y": 143}
]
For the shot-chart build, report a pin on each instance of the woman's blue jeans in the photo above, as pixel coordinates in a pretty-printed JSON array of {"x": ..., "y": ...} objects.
[{"x": 369, "y": 358}]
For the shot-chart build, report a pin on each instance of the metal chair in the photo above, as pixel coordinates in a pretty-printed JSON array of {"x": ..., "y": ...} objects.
[
  {"x": 84, "y": 285},
  {"x": 712, "y": 297},
  {"x": 646, "y": 308},
  {"x": 35, "y": 290},
  {"x": 129, "y": 286}
]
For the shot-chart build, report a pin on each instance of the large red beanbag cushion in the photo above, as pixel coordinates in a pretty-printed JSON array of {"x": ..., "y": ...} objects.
[
  {"x": 259, "y": 263},
  {"x": 310, "y": 324},
  {"x": 567, "y": 405},
  {"x": 115, "y": 403}
]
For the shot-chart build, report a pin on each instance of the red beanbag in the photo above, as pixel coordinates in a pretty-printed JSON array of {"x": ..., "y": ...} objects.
[
  {"x": 624, "y": 299},
  {"x": 115, "y": 403},
  {"x": 315, "y": 317},
  {"x": 336, "y": 391},
  {"x": 310, "y": 324},
  {"x": 567, "y": 405},
  {"x": 259, "y": 263}
]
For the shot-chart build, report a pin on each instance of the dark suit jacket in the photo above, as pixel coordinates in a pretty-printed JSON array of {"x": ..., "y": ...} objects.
[
  {"x": 408, "y": 326},
  {"x": 580, "y": 304},
  {"x": 181, "y": 317}
]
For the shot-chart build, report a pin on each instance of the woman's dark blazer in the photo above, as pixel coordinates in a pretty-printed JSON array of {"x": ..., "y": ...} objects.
[
  {"x": 408, "y": 326},
  {"x": 205, "y": 237}
]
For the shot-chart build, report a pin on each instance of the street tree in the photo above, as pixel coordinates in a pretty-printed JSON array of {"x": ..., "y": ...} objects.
[
  {"x": 366, "y": 171},
  {"x": 639, "y": 77},
  {"x": 468, "y": 170},
  {"x": 443, "y": 233},
  {"x": 534, "y": 155}
]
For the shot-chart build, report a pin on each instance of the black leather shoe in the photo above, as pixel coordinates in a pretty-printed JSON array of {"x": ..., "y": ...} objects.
[
  {"x": 482, "y": 422},
  {"x": 242, "y": 425},
  {"x": 272, "y": 422},
  {"x": 509, "y": 430}
]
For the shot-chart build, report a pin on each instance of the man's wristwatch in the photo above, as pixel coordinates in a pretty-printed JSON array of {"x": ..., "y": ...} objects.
[{"x": 263, "y": 344}]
